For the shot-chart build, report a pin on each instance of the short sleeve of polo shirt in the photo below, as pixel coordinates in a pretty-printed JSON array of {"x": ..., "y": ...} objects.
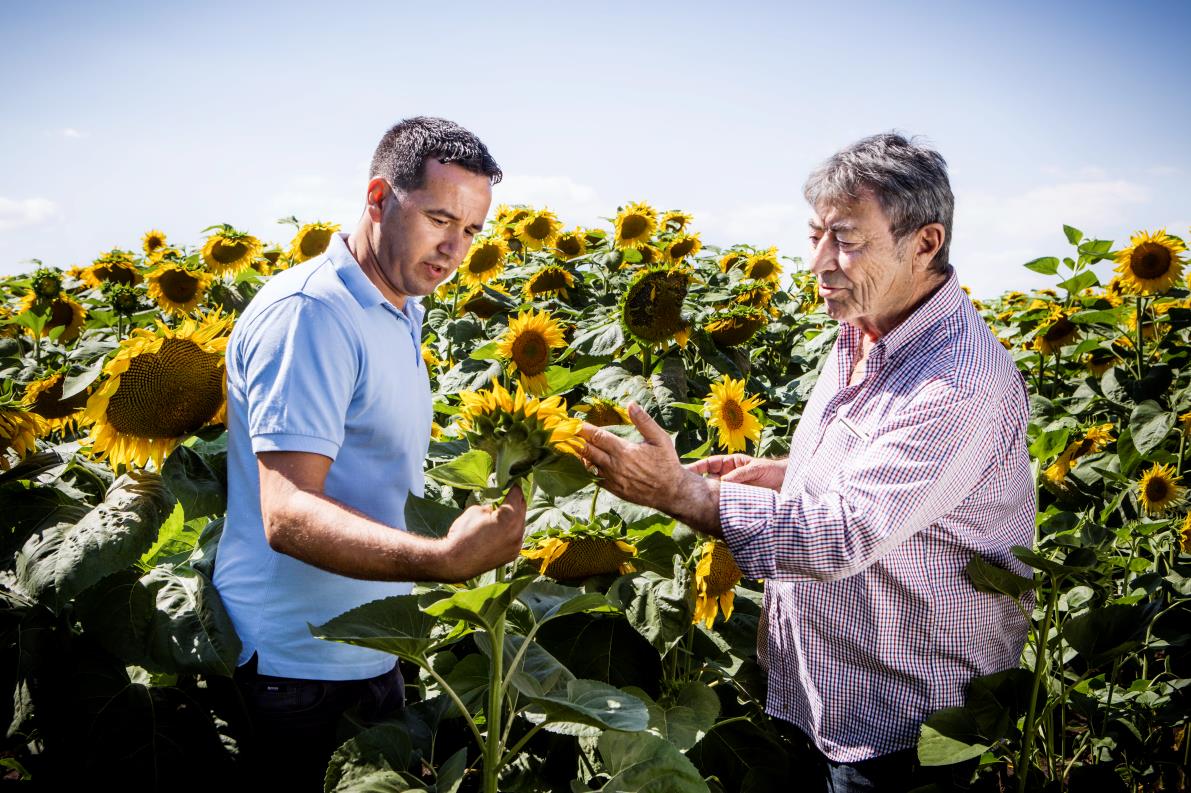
[{"x": 300, "y": 366}]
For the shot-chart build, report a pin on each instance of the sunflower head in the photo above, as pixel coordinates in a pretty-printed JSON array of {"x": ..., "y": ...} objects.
[
  {"x": 1059, "y": 332},
  {"x": 47, "y": 283},
  {"x": 517, "y": 430},
  {"x": 635, "y": 225},
  {"x": 1099, "y": 361},
  {"x": 1151, "y": 263},
  {"x": 160, "y": 387},
  {"x": 484, "y": 261},
  {"x": 177, "y": 289},
  {"x": 757, "y": 294},
  {"x": 600, "y": 412},
  {"x": 549, "y": 281},
  {"x": 651, "y": 308},
  {"x": 763, "y": 266},
  {"x": 115, "y": 266},
  {"x": 230, "y": 251},
  {"x": 538, "y": 229},
  {"x": 571, "y": 244},
  {"x": 152, "y": 242},
  {"x": 311, "y": 240},
  {"x": 716, "y": 577},
  {"x": 735, "y": 326},
  {"x": 572, "y": 557},
  {"x": 526, "y": 345},
  {"x": 274, "y": 259},
  {"x": 19, "y": 430},
  {"x": 732, "y": 260},
  {"x": 429, "y": 357},
  {"x": 61, "y": 312},
  {"x": 1185, "y": 534},
  {"x": 728, "y": 411},
  {"x": 124, "y": 300},
  {"x": 44, "y": 398},
  {"x": 682, "y": 246},
  {"x": 675, "y": 220},
  {"x": 1159, "y": 489}
]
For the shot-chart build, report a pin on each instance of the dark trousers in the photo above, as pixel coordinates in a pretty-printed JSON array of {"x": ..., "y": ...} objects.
[
  {"x": 898, "y": 772},
  {"x": 296, "y": 724}
]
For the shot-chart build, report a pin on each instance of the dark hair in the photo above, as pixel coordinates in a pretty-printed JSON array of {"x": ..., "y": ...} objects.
[
  {"x": 909, "y": 181},
  {"x": 401, "y": 155}
]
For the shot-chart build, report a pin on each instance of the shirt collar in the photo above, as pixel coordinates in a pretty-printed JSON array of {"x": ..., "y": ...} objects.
[
  {"x": 944, "y": 302},
  {"x": 362, "y": 289}
]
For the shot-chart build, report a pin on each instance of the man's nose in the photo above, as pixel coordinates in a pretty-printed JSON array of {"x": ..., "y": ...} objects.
[
  {"x": 822, "y": 256},
  {"x": 454, "y": 245}
]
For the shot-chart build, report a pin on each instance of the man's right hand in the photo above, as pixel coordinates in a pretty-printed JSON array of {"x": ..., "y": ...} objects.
[
  {"x": 742, "y": 469},
  {"x": 484, "y": 537}
]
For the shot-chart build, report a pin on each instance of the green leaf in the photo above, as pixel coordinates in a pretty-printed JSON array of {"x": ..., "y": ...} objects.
[
  {"x": 603, "y": 339},
  {"x": 370, "y": 761},
  {"x": 585, "y": 707},
  {"x": 988, "y": 577},
  {"x": 1110, "y": 316},
  {"x": 539, "y": 672},
  {"x": 468, "y": 375},
  {"x": 1102, "y": 634},
  {"x": 560, "y": 379},
  {"x": 1079, "y": 282},
  {"x": 949, "y": 736},
  {"x": 1074, "y": 235},
  {"x": 1149, "y": 424},
  {"x": 469, "y": 679},
  {"x": 546, "y": 600},
  {"x": 394, "y": 625},
  {"x": 65, "y": 559},
  {"x": 486, "y": 352},
  {"x": 686, "y": 717},
  {"x": 1049, "y": 443},
  {"x": 1077, "y": 560},
  {"x": 77, "y": 384},
  {"x": 468, "y": 471},
  {"x": 659, "y": 608},
  {"x": 429, "y": 518},
  {"x": 646, "y": 763},
  {"x": 1047, "y": 265},
  {"x": 200, "y": 488},
  {"x": 562, "y": 475},
  {"x": 481, "y": 606}
]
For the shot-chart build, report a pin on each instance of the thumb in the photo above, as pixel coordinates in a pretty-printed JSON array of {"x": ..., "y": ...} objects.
[
  {"x": 649, "y": 429},
  {"x": 742, "y": 475},
  {"x": 515, "y": 499}
]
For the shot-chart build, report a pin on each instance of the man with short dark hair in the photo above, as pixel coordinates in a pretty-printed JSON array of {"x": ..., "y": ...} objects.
[
  {"x": 329, "y": 418},
  {"x": 910, "y": 458}
]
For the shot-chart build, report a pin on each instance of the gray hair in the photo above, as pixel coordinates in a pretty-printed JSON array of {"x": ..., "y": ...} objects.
[
  {"x": 401, "y": 155},
  {"x": 909, "y": 181}
]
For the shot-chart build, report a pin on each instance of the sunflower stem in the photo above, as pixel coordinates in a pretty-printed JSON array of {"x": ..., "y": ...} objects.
[
  {"x": 1138, "y": 345},
  {"x": 646, "y": 361},
  {"x": 1029, "y": 728},
  {"x": 594, "y": 498},
  {"x": 492, "y": 745}
]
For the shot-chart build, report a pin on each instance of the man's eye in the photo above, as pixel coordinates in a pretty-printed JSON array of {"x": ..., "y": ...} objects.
[
  {"x": 438, "y": 221},
  {"x": 814, "y": 239}
]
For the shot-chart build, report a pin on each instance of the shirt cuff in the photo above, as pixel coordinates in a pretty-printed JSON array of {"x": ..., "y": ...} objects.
[
  {"x": 286, "y": 442},
  {"x": 745, "y": 516}
]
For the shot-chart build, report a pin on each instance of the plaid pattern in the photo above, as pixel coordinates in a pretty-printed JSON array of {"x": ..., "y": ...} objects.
[{"x": 870, "y": 623}]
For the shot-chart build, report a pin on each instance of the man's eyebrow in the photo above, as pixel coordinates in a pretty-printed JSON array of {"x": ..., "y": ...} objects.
[{"x": 443, "y": 213}]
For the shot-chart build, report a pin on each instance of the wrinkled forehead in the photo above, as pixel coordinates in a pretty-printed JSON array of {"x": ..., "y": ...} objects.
[{"x": 862, "y": 210}]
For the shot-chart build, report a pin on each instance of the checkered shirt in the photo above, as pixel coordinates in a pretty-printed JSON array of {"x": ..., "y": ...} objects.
[{"x": 893, "y": 484}]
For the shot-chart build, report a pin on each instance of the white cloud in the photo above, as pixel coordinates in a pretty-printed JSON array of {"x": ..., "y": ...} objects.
[
  {"x": 20, "y": 213},
  {"x": 311, "y": 197},
  {"x": 71, "y": 132},
  {"x": 572, "y": 201}
]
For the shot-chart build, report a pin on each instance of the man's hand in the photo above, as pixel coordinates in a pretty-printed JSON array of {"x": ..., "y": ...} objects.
[
  {"x": 484, "y": 537},
  {"x": 650, "y": 474},
  {"x": 742, "y": 469}
]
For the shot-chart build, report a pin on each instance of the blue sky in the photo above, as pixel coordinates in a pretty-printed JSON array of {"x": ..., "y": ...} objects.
[{"x": 121, "y": 117}]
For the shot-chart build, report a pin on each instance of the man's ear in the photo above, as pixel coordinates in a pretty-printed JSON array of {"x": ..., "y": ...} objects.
[
  {"x": 378, "y": 192},
  {"x": 927, "y": 242}
]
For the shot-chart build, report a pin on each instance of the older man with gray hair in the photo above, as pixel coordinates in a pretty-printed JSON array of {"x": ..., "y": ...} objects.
[{"x": 910, "y": 459}]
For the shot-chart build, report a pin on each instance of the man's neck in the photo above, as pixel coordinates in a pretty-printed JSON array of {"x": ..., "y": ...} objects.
[{"x": 362, "y": 246}]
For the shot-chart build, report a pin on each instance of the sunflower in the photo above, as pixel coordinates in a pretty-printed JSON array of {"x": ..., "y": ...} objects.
[
  {"x": 682, "y": 246},
  {"x": 651, "y": 308},
  {"x": 674, "y": 220},
  {"x": 1094, "y": 440},
  {"x": 429, "y": 358},
  {"x": 1185, "y": 421},
  {"x": 735, "y": 326},
  {"x": 538, "y": 229},
  {"x": 517, "y": 431},
  {"x": 64, "y": 312},
  {"x": 648, "y": 255},
  {"x": 43, "y": 397},
  {"x": 19, "y": 430},
  {"x": 600, "y": 412},
  {"x": 549, "y": 281},
  {"x": 47, "y": 283},
  {"x": 1099, "y": 361},
  {"x": 1114, "y": 291},
  {"x": 115, "y": 266},
  {"x": 716, "y": 577},
  {"x": 160, "y": 388},
  {"x": 1159, "y": 489},
  {"x": 230, "y": 251},
  {"x": 757, "y": 294},
  {"x": 1185, "y": 534},
  {"x": 571, "y": 244},
  {"x": 635, "y": 225},
  {"x": 526, "y": 346},
  {"x": 732, "y": 259},
  {"x": 576, "y": 558},
  {"x": 763, "y": 266},
  {"x": 1060, "y": 331},
  {"x": 311, "y": 240},
  {"x": 1151, "y": 263},
  {"x": 727, "y": 410},
  {"x": 152, "y": 242},
  {"x": 177, "y": 289},
  {"x": 273, "y": 258},
  {"x": 508, "y": 216},
  {"x": 484, "y": 261}
]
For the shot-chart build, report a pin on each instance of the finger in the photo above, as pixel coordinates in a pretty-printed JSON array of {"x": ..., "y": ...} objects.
[
  {"x": 601, "y": 438},
  {"x": 649, "y": 429},
  {"x": 743, "y": 475},
  {"x": 515, "y": 498},
  {"x": 598, "y": 457}
]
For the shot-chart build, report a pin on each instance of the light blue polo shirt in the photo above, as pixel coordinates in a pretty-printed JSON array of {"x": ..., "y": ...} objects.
[{"x": 319, "y": 362}]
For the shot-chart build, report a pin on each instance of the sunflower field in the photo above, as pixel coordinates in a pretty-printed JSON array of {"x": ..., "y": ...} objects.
[{"x": 618, "y": 653}]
